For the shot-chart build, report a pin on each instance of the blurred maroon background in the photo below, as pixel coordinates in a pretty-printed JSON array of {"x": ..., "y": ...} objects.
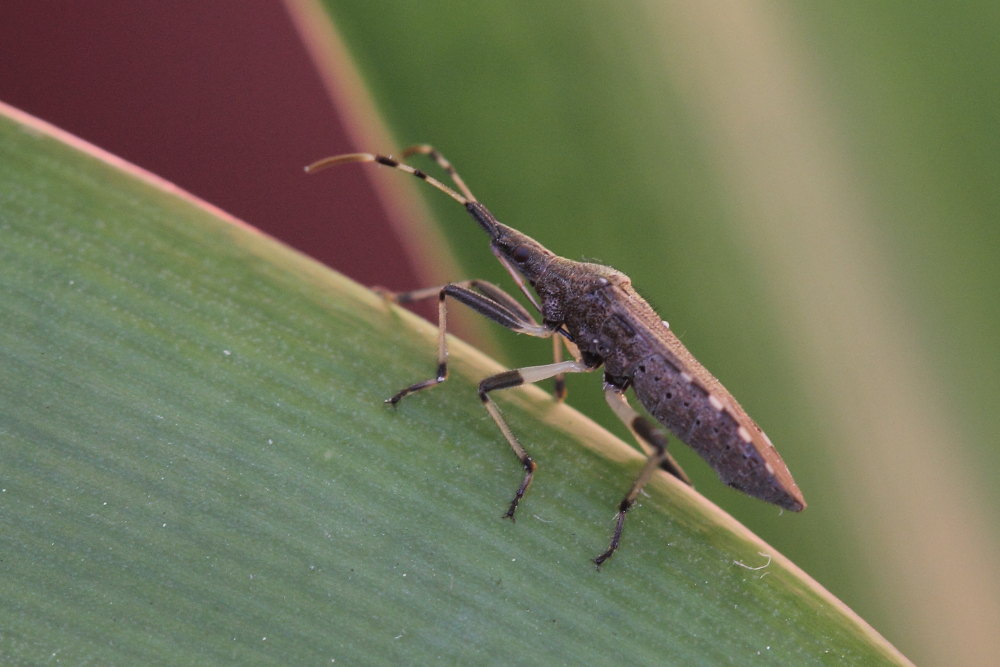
[{"x": 218, "y": 97}]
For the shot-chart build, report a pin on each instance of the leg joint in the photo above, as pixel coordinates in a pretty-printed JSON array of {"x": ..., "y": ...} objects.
[
  {"x": 511, "y": 378},
  {"x": 649, "y": 433}
]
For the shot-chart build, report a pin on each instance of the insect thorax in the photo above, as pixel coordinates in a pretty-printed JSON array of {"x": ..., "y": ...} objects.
[{"x": 590, "y": 301}]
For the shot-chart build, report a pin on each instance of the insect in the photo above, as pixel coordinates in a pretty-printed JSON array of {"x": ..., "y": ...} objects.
[{"x": 593, "y": 311}]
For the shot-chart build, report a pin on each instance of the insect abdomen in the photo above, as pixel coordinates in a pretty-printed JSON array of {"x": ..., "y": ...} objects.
[{"x": 717, "y": 429}]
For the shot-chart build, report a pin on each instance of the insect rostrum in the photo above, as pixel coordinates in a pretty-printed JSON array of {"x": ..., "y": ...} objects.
[{"x": 593, "y": 311}]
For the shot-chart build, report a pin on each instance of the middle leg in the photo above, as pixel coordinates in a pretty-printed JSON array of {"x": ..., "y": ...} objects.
[{"x": 514, "y": 378}]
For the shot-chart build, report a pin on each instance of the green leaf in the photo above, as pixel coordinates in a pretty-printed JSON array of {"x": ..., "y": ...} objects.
[
  {"x": 198, "y": 466},
  {"x": 808, "y": 193}
]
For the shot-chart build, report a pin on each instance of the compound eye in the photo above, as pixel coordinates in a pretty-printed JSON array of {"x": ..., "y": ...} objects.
[{"x": 521, "y": 254}]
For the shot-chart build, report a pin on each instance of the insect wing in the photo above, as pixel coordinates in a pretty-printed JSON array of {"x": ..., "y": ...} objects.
[{"x": 683, "y": 396}]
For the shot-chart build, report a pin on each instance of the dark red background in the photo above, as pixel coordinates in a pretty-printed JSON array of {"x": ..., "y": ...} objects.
[{"x": 218, "y": 97}]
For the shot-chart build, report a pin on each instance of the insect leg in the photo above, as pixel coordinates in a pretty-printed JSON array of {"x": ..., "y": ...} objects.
[
  {"x": 654, "y": 442},
  {"x": 559, "y": 381},
  {"x": 514, "y": 378},
  {"x": 489, "y": 290},
  {"x": 489, "y": 300},
  {"x": 497, "y": 294},
  {"x": 648, "y": 436},
  {"x": 558, "y": 342}
]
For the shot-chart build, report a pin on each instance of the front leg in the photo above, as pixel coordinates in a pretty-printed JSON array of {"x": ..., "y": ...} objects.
[{"x": 483, "y": 297}]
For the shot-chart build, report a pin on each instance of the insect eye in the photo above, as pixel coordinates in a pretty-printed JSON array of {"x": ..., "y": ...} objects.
[{"x": 521, "y": 254}]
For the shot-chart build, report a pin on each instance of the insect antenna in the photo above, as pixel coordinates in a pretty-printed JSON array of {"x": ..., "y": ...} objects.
[
  {"x": 463, "y": 197},
  {"x": 442, "y": 161}
]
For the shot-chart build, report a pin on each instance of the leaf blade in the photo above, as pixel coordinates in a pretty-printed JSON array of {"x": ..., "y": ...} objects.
[{"x": 199, "y": 467}]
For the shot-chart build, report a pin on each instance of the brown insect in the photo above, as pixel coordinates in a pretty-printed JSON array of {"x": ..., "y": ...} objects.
[{"x": 593, "y": 312}]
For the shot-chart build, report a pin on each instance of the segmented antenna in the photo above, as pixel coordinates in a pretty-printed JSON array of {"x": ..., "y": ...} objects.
[{"x": 464, "y": 198}]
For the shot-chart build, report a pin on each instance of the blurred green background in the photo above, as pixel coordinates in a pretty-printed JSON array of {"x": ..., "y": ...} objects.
[{"x": 808, "y": 194}]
